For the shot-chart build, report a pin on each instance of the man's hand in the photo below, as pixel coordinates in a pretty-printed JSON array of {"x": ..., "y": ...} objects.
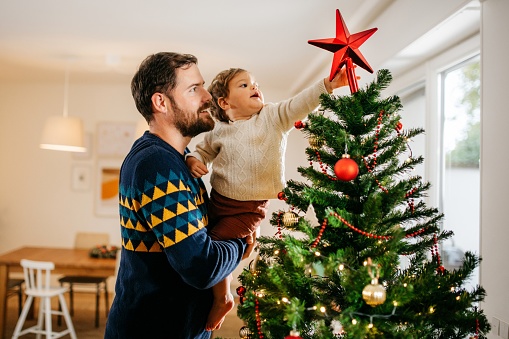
[
  {"x": 196, "y": 167},
  {"x": 251, "y": 243}
]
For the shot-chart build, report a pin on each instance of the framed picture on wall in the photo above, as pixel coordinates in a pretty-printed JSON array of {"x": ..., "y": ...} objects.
[
  {"x": 106, "y": 190},
  {"x": 114, "y": 139},
  {"x": 81, "y": 178}
]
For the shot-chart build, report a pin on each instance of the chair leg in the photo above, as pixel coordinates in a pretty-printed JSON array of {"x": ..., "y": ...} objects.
[
  {"x": 97, "y": 297},
  {"x": 106, "y": 299},
  {"x": 47, "y": 316},
  {"x": 67, "y": 317},
  {"x": 22, "y": 317},
  {"x": 59, "y": 317},
  {"x": 20, "y": 300},
  {"x": 40, "y": 318},
  {"x": 71, "y": 299}
]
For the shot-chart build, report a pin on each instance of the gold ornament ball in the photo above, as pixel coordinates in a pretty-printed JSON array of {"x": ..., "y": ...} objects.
[
  {"x": 374, "y": 294},
  {"x": 290, "y": 219},
  {"x": 316, "y": 142},
  {"x": 245, "y": 332}
]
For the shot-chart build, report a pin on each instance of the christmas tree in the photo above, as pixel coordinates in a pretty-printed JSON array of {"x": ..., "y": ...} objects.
[{"x": 357, "y": 252}]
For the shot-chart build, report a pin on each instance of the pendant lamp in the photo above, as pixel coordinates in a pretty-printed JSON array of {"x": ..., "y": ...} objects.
[{"x": 62, "y": 132}]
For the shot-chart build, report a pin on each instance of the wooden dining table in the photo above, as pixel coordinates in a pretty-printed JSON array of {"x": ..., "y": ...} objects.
[{"x": 67, "y": 261}]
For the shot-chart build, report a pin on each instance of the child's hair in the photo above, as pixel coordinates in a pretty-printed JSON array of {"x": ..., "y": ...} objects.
[{"x": 219, "y": 89}]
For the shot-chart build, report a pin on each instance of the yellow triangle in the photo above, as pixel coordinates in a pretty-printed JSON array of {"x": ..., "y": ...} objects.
[
  {"x": 145, "y": 200},
  {"x": 182, "y": 187},
  {"x": 179, "y": 235},
  {"x": 171, "y": 188},
  {"x": 122, "y": 221},
  {"x": 156, "y": 247},
  {"x": 141, "y": 247},
  {"x": 136, "y": 206},
  {"x": 168, "y": 242},
  {"x": 191, "y": 206},
  {"x": 192, "y": 229},
  {"x": 129, "y": 224},
  {"x": 129, "y": 246},
  {"x": 139, "y": 227},
  {"x": 201, "y": 224},
  {"x": 157, "y": 193},
  {"x": 181, "y": 209},
  {"x": 167, "y": 214},
  {"x": 155, "y": 220}
]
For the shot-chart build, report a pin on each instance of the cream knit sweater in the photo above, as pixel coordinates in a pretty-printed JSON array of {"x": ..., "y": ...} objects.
[{"x": 247, "y": 156}]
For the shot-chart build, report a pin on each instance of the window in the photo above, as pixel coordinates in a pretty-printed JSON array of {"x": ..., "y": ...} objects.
[{"x": 459, "y": 170}]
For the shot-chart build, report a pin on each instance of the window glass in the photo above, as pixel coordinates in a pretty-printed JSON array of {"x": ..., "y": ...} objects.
[{"x": 460, "y": 176}]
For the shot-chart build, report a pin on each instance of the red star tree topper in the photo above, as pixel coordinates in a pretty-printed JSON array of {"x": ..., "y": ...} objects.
[{"x": 346, "y": 50}]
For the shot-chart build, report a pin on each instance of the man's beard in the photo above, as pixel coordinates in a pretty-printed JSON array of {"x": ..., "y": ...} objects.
[{"x": 188, "y": 126}]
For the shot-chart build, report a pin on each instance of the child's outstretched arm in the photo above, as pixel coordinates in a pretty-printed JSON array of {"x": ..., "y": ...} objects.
[{"x": 196, "y": 167}]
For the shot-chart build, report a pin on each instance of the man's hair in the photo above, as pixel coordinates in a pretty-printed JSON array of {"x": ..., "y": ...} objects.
[
  {"x": 157, "y": 74},
  {"x": 219, "y": 89}
]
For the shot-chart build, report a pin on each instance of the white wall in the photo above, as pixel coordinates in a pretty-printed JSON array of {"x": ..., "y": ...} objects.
[
  {"x": 494, "y": 159},
  {"x": 37, "y": 204}
]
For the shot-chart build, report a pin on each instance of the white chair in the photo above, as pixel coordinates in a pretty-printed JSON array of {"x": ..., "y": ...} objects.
[
  {"x": 87, "y": 240},
  {"x": 37, "y": 281}
]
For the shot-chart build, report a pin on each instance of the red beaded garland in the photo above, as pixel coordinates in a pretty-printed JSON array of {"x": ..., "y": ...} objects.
[
  {"x": 317, "y": 240},
  {"x": 371, "y": 235},
  {"x": 258, "y": 320}
]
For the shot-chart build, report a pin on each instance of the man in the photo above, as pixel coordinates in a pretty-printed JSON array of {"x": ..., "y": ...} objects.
[{"x": 168, "y": 262}]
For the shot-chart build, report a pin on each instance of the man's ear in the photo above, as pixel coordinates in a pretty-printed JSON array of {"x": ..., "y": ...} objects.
[
  {"x": 223, "y": 103},
  {"x": 160, "y": 105}
]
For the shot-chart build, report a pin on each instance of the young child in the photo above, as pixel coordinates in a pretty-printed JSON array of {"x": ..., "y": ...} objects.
[{"x": 246, "y": 149}]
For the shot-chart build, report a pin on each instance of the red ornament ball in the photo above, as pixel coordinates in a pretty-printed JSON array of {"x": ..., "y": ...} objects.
[
  {"x": 293, "y": 335},
  {"x": 299, "y": 124},
  {"x": 346, "y": 169},
  {"x": 241, "y": 290},
  {"x": 281, "y": 196},
  {"x": 399, "y": 126}
]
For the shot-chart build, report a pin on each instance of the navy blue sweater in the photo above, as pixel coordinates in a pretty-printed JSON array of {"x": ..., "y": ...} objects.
[{"x": 168, "y": 262}]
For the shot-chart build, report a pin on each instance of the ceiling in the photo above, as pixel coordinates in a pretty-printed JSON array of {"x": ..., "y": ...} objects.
[{"x": 105, "y": 40}]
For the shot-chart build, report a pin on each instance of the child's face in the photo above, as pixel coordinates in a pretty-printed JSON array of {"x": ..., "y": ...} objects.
[{"x": 244, "y": 99}]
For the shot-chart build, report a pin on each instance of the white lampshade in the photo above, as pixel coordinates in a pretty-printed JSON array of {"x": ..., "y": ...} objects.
[{"x": 63, "y": 133}]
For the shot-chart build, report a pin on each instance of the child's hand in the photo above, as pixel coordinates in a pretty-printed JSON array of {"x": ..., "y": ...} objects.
[
  {"x": 340, "y": 79},
  {"x": 196, "y": 167}
]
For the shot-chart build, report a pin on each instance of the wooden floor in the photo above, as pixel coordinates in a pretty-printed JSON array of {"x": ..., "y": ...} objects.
[{"x": 83, "y": 320}]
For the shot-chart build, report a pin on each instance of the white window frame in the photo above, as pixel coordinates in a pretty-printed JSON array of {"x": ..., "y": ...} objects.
[{"x": 429, "y": 74}]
